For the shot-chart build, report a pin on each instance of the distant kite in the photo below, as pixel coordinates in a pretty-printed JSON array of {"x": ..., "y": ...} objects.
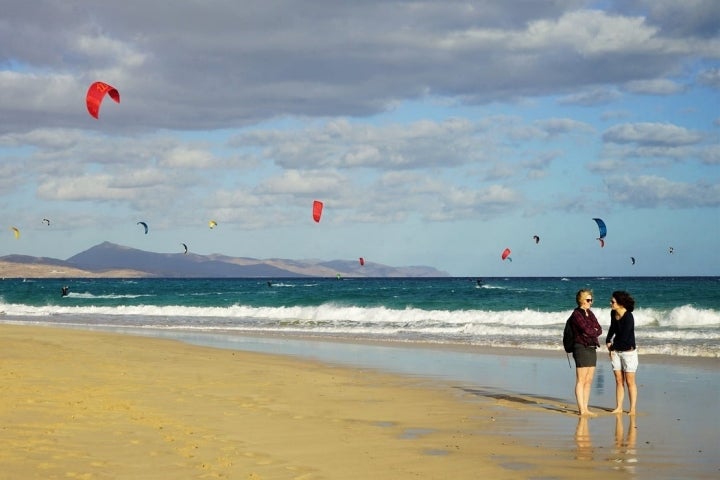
[
  {"x": 95, "y": 95},
  {"x": 362, "y": 261},
  {"x": 185, "y": 248},
  {"x": 145, "y": 226},
  {"x": 317, "y": 210},
  {"x": 47, "y": 221},
  {"x": 671, "y": 250},
  {"x": 603, "y": 231},
  {"x": 506, "y": 255},
  {"x": 212, "y": 224},
  {"x": 536, "y": 238},
  {"x": 632, "y": 259},
  {"x": 16, "y": 232}
]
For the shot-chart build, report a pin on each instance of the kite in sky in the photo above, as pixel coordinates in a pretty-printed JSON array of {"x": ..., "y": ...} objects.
[
  {"x": 632, "y": 259},
  {"x": 185, "y": 248},
  {"x": 95, "y": 95},
  {"x": 212, "y": 224},
  {"x": 362, "y": 261},
  {"x": 536, "y": 238},
  {"x": 506, "y": 254},
  {"x": 603, "y": 231},
  {"x": 317, "y": 210},
  {"x": 47, "y": 221},
  {"x": 16, "y": 232},
  {"x": 145, "y": 226}
]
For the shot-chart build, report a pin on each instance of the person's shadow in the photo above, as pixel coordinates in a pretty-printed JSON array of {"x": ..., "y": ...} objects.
[{"x": 583, "y": 440}]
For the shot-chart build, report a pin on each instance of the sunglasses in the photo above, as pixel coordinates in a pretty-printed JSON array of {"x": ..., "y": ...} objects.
[{"x": 589, "y": 300}]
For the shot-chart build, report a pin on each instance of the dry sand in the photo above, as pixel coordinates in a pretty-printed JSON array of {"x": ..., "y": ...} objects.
[{"x": 89, "y": 405}]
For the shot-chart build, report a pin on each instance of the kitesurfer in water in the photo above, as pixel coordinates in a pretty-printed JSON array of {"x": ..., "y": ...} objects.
[
  {"x": 620, "y": 342},
  {"x": 65, "y": 290},
  {"x": 586, "y": 330}
]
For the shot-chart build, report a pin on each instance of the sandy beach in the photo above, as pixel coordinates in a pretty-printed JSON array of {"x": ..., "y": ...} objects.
[
  {"x": 98, "y": 405},
  {"x": 88, "y": 405}
]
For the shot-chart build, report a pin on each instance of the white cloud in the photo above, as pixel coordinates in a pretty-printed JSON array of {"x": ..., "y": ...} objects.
[
  {"x": 650, "y": 191},
  {"x": 646, "y": 133},
  {"x": 710, "y": 78},
  {"x": 659, "y": 86}
]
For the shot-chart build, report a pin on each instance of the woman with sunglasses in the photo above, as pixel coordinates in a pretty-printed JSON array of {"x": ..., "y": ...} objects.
[
  {"x": 586, "y": 330},
  {"x": 620, "y": 342}
]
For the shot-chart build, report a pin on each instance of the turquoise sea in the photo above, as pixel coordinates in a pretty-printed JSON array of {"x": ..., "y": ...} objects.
[{"x": 677, "y": 316}]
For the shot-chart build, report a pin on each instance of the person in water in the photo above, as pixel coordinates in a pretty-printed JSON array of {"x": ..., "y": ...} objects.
[
  {"x": 586, "y": 331},
  {"x": 65, "y": 291},
  {"x": 620, "y": 342}
]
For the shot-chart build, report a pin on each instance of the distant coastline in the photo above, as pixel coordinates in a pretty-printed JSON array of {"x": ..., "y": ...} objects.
[
  {"x": 28, "y": 270},
  {"x": 108, "y": 260}
]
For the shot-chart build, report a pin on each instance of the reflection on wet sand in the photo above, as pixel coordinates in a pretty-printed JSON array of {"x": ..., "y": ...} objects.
[
  {"x": 624, "y": 453},
  {"x": 583, "y": 440}
]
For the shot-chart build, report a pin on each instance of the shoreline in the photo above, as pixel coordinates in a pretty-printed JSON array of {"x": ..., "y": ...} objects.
[{"x": 654, "y": 358}]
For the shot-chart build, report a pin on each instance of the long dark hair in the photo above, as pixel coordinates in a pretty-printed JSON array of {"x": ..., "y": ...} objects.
[{"x": 624, "y": 299}]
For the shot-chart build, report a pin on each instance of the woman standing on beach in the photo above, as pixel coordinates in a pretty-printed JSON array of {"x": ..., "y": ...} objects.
[
  {"x": 586, "y": 330},
  {"x": 620, "y": 342}
]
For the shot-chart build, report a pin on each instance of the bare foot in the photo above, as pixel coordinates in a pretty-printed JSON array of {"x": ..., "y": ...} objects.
[
  {"x": 617, "y": 410},
  {"x": 588, "y": 414},
  {"x": 631, "y": 412}
]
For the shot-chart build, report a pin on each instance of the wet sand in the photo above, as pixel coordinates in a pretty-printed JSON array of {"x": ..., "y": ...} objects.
[{"x": 96, "y": 405}]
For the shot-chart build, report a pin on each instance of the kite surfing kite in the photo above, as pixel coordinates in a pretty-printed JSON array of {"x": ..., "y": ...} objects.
[
  {"x": 144, "y": 226},
  {"x": 317, "y": 210},
  {"x": 16, "y": 232},
  {"x": 185, "y": 248},
  {"x": 95, "y": 95},
  {"x": 212, "y": 224},
  {"x": 47, "y": 221},
  {"x": 362, "y": 261},
  {"x": 671, "y": 250},
  {"x": 603, "y": 231},
  {"x": 632, "y": 259},
  {"x": 536, "y": 238},
  {"x": 506, "y": 254}
]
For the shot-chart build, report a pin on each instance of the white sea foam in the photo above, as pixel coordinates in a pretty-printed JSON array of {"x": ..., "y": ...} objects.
[{"x": 684, "y": 330}]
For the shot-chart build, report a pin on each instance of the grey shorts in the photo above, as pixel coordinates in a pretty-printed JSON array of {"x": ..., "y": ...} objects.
[
  {"x": 584, "y": 356},
  {"x": 624, "y": 361}
]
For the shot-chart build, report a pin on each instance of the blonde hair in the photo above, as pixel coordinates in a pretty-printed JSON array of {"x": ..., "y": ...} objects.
[{"x": 581, "y": 293}]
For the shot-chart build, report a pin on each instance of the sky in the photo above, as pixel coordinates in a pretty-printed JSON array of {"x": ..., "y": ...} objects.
[{"x": 436, "y": 133}]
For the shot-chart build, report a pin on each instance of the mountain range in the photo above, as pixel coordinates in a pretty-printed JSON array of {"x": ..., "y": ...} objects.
[{"x": 110, "y": 260}]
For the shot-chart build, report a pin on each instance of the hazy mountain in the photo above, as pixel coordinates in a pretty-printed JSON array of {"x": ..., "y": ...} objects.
[{"x": 111, "y": 260}]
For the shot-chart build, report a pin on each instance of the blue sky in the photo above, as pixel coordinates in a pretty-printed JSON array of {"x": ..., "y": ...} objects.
[{"x": 436, "y": 133}]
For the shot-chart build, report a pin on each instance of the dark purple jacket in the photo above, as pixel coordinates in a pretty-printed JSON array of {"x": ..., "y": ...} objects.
[{"x": 586, "y": 327}]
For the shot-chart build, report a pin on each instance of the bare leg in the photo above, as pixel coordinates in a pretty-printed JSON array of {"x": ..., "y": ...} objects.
[
  {"x": 632, "y": 391},
  {"x": 619, "y": 391},
  {"x": 588, "y": 387},
  {"x": 583, "y": 383}
]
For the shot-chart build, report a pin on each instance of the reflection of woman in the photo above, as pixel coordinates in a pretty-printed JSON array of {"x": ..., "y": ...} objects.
[
  {"x": 625, "y": 444},
  {"x": 586, "y": 331},
  {"x": 623, "y": 351},
  {"x": 583, "y": 439}
]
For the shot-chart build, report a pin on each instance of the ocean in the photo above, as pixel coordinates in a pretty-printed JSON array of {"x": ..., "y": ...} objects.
[{"x": 676, "y": 316}]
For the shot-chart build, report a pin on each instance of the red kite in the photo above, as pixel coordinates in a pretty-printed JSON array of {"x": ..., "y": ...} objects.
[{"x": 96, "y": 94}]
